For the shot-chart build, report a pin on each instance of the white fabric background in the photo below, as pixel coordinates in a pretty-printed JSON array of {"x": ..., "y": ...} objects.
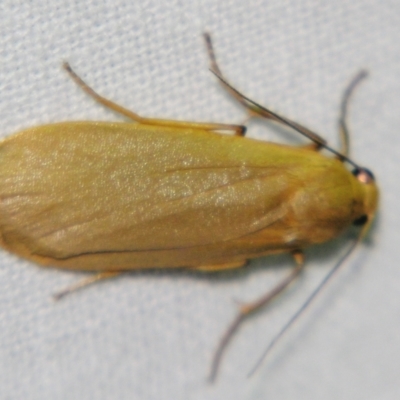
[{"x": 152, "y": 335}]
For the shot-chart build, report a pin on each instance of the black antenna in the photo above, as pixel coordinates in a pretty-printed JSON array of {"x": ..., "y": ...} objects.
[
  {"x": 259, "y": 109},
  {"x": 305, "y": 305}
]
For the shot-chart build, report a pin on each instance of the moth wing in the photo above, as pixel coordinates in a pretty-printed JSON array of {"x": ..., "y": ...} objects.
[{"x": 71, "y": 189}]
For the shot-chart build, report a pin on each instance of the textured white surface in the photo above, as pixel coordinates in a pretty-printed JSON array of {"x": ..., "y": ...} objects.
[{"x": 152, "y": 335}]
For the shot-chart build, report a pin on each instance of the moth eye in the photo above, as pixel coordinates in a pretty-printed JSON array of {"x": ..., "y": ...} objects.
[
  {"x": 361, "y": 221},
  {"x": 364, "y": 175}
]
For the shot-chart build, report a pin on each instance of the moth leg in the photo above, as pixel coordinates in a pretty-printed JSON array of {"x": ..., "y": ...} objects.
[
  {"x": 344, "y": 105},
  {"x": 237, "y": 129},
  {"x": 221, "y": 267},
  {"x": 254, "y": 108},
  {"x": 250, "y": 308},
  {"x": 101, "y": 276},
  {"x": 312, "y": 146}
]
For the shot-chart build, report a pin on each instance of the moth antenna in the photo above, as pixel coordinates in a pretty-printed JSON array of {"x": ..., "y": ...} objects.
[
  {"x": 344, "y": 106},
  {"x": 307, "y": 303},
  {"x": 263, "y": 111}
]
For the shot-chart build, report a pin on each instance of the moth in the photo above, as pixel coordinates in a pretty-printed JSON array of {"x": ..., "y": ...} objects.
[{"x": 110, "y": 197}]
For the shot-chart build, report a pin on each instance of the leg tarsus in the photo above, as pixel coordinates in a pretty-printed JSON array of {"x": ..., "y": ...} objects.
[
  {"x": 237, "y": 129},
  {"x": 246, "y": 309},
  {"x": 100, "y": 99},
  {"x": 84, "y": 283}
]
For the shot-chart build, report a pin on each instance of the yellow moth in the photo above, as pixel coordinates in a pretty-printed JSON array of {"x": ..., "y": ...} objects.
[{"x": 109, "y": 197}]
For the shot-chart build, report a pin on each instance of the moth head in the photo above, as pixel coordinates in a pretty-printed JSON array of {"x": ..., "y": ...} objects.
[{"x": 370, "y": 198}]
